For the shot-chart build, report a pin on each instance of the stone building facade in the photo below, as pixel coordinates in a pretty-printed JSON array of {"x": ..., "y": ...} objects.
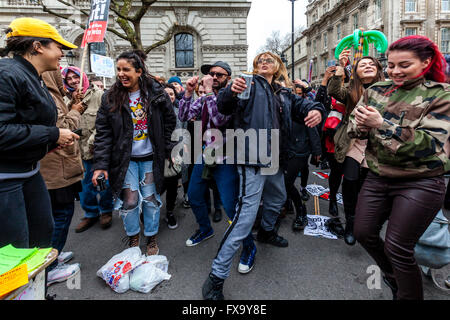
[
  {"x": 329, "y": 21},
  {"x": 206, "y": 31}
]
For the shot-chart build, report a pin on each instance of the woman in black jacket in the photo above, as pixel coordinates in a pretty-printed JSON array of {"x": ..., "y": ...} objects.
[
  {"x": 134, "y": 126},
  {"x": 28, "y": 131}
]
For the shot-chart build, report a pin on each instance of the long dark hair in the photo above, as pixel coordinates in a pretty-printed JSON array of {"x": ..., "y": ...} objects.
[
  {"x": 22, "y": 45},
  {"x": 423, "y": 48},
  {"x": 117, "y": 96},
  {"x": 356, "y": 86}
]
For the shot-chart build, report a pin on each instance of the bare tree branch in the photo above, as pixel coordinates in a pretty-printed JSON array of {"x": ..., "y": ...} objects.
[
  {"x": 46, "y": 9},
  {"x": 116, "y": 9},
  {"x": 74, "y": 6},
  {"x": 117, "y": 33},
  {"x": 130, "y": 25},
  {"x": 166, "y": 39},
  {"x": 143, "y": 9}
]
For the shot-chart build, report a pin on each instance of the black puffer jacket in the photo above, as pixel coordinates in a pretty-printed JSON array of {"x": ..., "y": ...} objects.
[
  {"x": 114, "y": 137},
  {"x": 27, "y": 117}
]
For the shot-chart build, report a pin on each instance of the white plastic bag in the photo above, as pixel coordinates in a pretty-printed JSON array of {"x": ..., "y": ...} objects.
[
  {"x": 116, "y": 271},
  {"x": 149, "y": 274}
]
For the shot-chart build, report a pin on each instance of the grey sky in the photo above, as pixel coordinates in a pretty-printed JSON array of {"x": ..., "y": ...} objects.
[{"x": 266, "y": 16}]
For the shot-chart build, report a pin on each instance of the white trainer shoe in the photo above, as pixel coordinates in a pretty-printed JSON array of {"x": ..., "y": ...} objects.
[
  {"x": 62, "y": 272},
  {"x": 63, "y": 257}
]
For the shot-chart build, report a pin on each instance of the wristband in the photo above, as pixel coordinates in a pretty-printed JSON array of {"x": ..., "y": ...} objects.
[{"x": 209, "y": 94}]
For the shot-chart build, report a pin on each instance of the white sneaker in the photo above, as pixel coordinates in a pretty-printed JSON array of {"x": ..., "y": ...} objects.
[
  {"x": 62, "y": 272},
  {"x": 65, "y": 256}
]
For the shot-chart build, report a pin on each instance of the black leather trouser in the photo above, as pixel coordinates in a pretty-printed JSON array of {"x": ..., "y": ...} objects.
[{"x": 410, "y": 205}]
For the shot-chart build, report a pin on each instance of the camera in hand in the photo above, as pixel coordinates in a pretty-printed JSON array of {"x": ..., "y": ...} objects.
[{"x": 101, "y": 182}]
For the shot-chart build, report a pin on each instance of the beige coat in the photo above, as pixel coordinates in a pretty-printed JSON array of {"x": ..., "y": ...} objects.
[
  {"x": 92, "y": 100},
  {"x": 62, "y": 167}
]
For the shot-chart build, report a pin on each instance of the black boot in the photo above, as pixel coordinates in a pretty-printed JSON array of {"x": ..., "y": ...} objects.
[
  {"x": 271, "y": 237},
  {"x": 392, "y": 284},
  {"x": 349, "y": 238},
  {"x": 217, "y": 215},
  {"x": 333, "y": 208},
  {"x": 334, "y": 225},
  {"x": 213, "y": 288},
  {"x": 301, "y": 220}
]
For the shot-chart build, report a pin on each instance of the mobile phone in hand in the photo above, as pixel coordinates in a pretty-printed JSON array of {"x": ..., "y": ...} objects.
[{"x": 78, "y": 132}]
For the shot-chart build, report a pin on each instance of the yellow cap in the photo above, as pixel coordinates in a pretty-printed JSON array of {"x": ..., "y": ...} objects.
[{"x": 30, "y": 27}]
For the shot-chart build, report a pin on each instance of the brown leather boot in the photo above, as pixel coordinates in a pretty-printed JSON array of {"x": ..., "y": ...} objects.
[
  {"x": 85, "y": 224},
  {"x": 152, "y": 246},
  {"x": 133, "y": 241},
  {"x": 106, "y": 220}
]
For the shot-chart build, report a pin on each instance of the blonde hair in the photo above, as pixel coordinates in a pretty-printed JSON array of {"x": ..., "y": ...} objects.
[{"x": 281, "y": 71}]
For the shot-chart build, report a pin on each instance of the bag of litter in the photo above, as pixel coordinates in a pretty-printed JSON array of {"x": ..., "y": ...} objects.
[
  {"x": 149, "y": 274},
  {"x": 116, "y": 271}
]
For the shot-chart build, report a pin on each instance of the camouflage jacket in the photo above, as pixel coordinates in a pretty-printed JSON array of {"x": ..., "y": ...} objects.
[{"x": 410, "y": 142}]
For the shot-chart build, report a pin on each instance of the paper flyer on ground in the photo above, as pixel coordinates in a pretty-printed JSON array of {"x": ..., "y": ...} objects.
[{"x": 316, "y": 227}]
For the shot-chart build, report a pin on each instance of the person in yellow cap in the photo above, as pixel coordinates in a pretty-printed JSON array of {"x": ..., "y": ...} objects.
[{"x": 28, "y": 131}]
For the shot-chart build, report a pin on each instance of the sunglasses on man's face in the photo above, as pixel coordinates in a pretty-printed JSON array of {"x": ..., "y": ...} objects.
[{"x": 218, "y": 75}]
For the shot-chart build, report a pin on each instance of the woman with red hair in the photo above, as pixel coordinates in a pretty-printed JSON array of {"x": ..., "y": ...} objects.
[{"x": 407, "y": 122}]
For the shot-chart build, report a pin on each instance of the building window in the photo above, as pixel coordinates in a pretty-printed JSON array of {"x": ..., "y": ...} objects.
[
  {"x": 184, "y": 50},
  {"x": 299, "y": 73},
  {"x": 378, "y": 9},
  {"x": 355, "y": 21},
  {"x": 410, "y": 31},
  {"x": 445, "y": 5},
  {"x": 325, "y": 40},
  {"x": 410, "y": 5},
  {"x": 445, "y": 40},
  {"x": 339, "y": 32},
  {"x": 314, "y": 46}
]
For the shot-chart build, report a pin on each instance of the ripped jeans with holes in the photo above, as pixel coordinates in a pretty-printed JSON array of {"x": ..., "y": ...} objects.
[{"x": 139, "y": 192}]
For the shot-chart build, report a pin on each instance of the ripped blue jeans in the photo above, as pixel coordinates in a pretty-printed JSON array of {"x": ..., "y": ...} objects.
[{"x": 139, "y": 191}]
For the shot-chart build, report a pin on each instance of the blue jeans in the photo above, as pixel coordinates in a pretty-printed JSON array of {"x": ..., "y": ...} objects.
[
  {"x": 226, "y": 179},
  {"x": 253, "y": 187},
  {"x": 139, "y": 190},
  {"x": 25, "y": 213},
  {"x": 216, "y": 196},
  {"x": 88, "y": 197},
  {"x": 62, "y": 215}
]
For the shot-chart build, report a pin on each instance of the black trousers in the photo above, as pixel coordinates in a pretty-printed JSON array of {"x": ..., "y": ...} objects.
[
  {"x": 410, "y": 206},
  {"x": 354, "y": 176},
  {"x": 294, "y": 166},
  {"x": 26, "y": 219},
  {"x": 171, "y": 188},
  {"x": 335, "y": 178}
]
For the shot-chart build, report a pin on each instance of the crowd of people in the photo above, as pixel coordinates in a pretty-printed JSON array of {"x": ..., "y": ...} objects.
[{"x": 64, "y": 138}]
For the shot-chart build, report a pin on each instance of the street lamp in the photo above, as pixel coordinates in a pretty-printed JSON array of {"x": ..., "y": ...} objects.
[
  {"x": 292, "y": 40},
  {"x": 70, "y": 58}
]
